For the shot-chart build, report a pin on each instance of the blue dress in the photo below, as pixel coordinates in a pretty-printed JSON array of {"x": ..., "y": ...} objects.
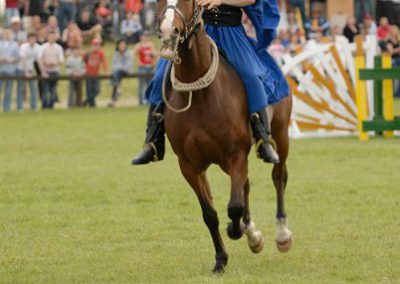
[{"x": 261, "y": 76}]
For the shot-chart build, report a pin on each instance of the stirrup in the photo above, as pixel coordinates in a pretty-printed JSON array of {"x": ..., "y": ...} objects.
[{"x": 270, "y": 155}]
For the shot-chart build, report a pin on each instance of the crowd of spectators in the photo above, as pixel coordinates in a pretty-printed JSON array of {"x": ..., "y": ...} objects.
[{"x": 45, "y": 37}]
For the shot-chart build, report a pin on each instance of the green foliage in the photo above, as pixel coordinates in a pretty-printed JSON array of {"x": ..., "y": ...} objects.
[{"x": 73, "y": 210}]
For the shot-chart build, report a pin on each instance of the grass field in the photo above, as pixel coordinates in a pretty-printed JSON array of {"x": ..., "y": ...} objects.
[{"x": 73, "y": 210}]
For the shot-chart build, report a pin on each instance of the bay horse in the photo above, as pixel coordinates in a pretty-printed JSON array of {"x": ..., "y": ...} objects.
[{"x": 215, "y": 127}]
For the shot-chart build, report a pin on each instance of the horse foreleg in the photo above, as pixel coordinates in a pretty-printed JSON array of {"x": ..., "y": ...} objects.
[
  {"x": 199, "y": 183},
  {"x": 238, "y": 172},
  {"x": 255, "y": 239}
]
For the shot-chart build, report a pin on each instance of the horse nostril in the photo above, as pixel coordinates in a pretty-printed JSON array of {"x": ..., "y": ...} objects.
[{"x": 175, "y": 31}]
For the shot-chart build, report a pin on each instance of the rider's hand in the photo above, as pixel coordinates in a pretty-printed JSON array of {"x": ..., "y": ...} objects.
[{"x": 209, "y": 4}]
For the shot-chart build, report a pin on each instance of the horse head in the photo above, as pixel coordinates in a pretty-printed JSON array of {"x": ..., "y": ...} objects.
[{"x": 177, "y": 21}]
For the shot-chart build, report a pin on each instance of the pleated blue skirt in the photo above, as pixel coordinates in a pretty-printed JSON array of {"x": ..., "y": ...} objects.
[{"x": 262, "y": 78}]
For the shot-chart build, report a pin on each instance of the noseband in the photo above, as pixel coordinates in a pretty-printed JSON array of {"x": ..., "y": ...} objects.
[{"x": 191, "y": 26}]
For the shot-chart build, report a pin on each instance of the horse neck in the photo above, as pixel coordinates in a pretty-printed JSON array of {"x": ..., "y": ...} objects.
[{"x": 195, "y": 60}]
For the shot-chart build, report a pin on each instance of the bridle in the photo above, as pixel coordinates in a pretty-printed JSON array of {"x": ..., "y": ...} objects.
[{"x": 190, "y": 27}]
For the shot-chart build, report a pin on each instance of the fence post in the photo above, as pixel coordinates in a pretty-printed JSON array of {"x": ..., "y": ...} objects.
[
  {"x": 388, "y": 104},
  {"x": 361, "y": 89},
  {"x": 378, "y": 98}
]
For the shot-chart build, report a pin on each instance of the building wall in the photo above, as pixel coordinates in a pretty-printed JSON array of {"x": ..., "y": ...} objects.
[{"x": 340, "y": 7}]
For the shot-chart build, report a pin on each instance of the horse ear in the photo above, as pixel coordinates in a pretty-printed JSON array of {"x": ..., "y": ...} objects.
[{"x": 192, "y": 39}]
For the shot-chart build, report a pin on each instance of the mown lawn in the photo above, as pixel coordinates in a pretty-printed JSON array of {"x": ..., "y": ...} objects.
[{"x": 73, "y": 210}]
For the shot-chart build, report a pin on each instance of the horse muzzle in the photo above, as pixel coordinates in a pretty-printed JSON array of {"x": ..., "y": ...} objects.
[{"x": 169, "y": 44}]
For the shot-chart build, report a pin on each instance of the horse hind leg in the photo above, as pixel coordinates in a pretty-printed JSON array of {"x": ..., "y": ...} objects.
[
  {"x": 280, "y": 124},
  {"x": 238, "y": 173},
  {"x": 200, "y": 185},
  {"x": 255, "y": 239}
]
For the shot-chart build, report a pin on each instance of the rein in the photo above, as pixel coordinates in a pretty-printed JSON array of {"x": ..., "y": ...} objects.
[{"x": 201, "y": 83}]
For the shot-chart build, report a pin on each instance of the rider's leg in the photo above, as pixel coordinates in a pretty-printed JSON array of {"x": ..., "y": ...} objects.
[
  {"x": 265, "y": 146},
  {"x": 154, "y": 147}
]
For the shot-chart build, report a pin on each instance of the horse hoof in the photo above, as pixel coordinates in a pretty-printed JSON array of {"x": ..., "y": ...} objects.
[
  {"x": 234, "y": 233},
  {"x": 258, "y": 247},
  {"x": 285, "y": 246},
  {"x": 218, "y": 269}
]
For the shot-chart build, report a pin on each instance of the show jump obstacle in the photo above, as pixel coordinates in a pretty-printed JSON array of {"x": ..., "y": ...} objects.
[{"x": 330, "y": 93}]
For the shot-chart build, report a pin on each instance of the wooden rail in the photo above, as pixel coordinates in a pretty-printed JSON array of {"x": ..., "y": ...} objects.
[{"x": 69, "y": 77}]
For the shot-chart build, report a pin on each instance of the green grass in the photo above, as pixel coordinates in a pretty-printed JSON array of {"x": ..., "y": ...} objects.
[{"x": 72, "y": 209}]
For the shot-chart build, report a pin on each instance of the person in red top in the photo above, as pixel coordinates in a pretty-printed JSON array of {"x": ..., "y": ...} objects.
[
  {"x": 146, "y": 56},
  {"x": 94, "y": 59},
  {"x": 134, "y": 6},
  {"x": 11, "y": 10},
  {"x": 383, "y": 29}
]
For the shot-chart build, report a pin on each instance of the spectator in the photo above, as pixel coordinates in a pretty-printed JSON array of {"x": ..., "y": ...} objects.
[
  {"x": 285, "y": 38},
  {"x": 301, "y": 5},
  {"x": 294, "y": 45},
  {"x": 41, "y": 39},
  {"x": 75, "y": 67},
  {"x": 351, "y": 30},
  {"x": 383, "y": 29},
  {"x": 65, "y": 13},
  {"x": 52, "y": 27},
  {"x": 363, "y": 7},
  {"x": 94, "y": 59},
  {"x": 134, "y": 6},
  {"x": 51, "y": 58},
  {"x": 9, "y": 56},
  {"x": 36, "y": 24},
  {"x": 12, "y": 11},
  {"x": 146, "y": 56},
  {"x": 18, "y": 35},
  {"x": 369, "y": 26},
  {"x": 89, "y": 26},
  {"x": 393, "y": 47},
  {"x": 104, "y": 17},
  {"x": 317, "y": 24},
  {"x": 131, "y": 28},
  {"x": 29, "y": 53},
  {"x": 72, "y": 36},
  {"x": 42, "y": 35},
  {"x": 122, "y": 66},
  {"x": 293, "y": 26},
  {"x": 35, "y": 8}
]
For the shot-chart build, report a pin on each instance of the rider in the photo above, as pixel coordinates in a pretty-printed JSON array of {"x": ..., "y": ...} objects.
[{"x": 262, "y": 78}]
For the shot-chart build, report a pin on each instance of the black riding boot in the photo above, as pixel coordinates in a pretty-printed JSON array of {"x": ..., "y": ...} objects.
[
  {"x": 154, "y": 147},
  {"x": 265, "y": 146}
]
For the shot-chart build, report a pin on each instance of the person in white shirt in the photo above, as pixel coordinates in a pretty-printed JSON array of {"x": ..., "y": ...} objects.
[
  {"x": 29, "y": 53},
  {"x": 9, "y": 57},
  {"x": 51, "y": 57},
  {"x": 131, "y": 28}
]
